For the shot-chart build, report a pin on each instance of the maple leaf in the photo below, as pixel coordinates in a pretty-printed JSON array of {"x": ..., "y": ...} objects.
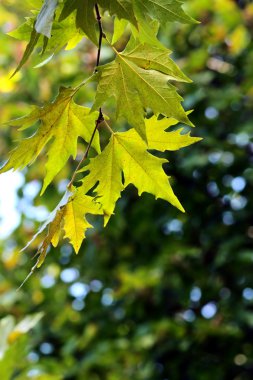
[
  {"x": 63, "y": 34},
  {"x": 135, "y": 82},
  {"x": 34, "y": 38},
  {"x": 153, "y": 58},
  {"x": 75, "y": 223},
  {"x": 161, "y": 140},
  {"x": 105, "y": 171},
  {"x": 62, "y": 121},
  {"x": 142, "y": 169},
  {"x": 138, "y": 79},
  {"x": 127, "y": 153},
  {"x": 122, "y": 8},
  {"x": 119, "y": 27},
  {"x": 69, "y": 215},
  {"x": 163, "y": 10},
  {"x": 53, "y": 226},
  {"x": 85, "y": 18}
]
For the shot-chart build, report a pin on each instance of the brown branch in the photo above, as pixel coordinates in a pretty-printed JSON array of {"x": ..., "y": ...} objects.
[{"x": 101, "y": 35}]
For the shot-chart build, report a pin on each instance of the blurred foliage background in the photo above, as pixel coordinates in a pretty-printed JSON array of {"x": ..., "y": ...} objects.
[{"x": 157, "y": 295}]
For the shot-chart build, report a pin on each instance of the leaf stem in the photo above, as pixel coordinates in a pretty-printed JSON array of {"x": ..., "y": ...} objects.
[
  {"x": 99, "y": 120},
  {"x": 83, "y": 83},
  {"x": 108, "y": 127}
]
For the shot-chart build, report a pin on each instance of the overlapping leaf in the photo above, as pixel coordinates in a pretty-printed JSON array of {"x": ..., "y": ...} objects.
[
  {"x": 53, "y": 226},
  {"x": 122, "y": 8},
  {"x": 62, "y": 122},
  {"x": 63, "y": 34},
  {"x": 75, "y": 222},
  {"x": 105, "y": 171},
  {"x": 163, "y": 10},
  {"x": 76, "y": 15},
  {"x": 161, "y": 140},
  {"x": 70, "y": 215},
  {"x": 85, "y": 18},
  {"x": 127, "y": 153},
  {"x": 138, "y": 79},
  {"x": 153, "y": 58}
]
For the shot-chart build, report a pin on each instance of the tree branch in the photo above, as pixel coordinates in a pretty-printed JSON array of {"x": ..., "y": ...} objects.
[
  {"x": 100, "y": 116},
  {"x": 101, "y": 34}
]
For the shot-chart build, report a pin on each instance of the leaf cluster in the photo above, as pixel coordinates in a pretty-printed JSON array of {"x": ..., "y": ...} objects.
[{"x": 138, "y": 79}]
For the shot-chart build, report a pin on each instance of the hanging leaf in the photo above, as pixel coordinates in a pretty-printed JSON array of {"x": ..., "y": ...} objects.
[
  {"x": 163, "y": 10},
  {"x": 161, "y": 140},
  {"x": 34, "y": 38},
  {"x": 136, "y": 84},
  {"x": 75, "y": 223},
  {"x": 127, "y": 154},
  {"x": 62, "y": 121},
  {"x": 105, "y": 171},
  {"x": 122, "y": 8},
  {"x": 138, "y": 78},
  {"x": 85, "y": 17}
]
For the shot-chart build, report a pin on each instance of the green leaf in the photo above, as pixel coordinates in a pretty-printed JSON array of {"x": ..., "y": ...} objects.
[
  {"x": 147, "y": 31},
  {"x": 50, "y": 219},
  {"x": 85, "y": 17},
  {"x": 62, "y": 121},
  {"x": 34, "y": 38},
  {"x": 136, "y": 84},
  {"x": 75, "y": 223},
  {"x": 64, "y": 34},
  {"x": 138, "y": 78},
  {"x": 121, "y": 8},
  {"x": 142, "y": 169},
  {"x": 119, "y": 29},
  {"x": 53, "y": 225},
  {"x": 154, "y": 58},
  {"x": 163, "y": 10},
  {"x": 104, "y": 170},
  {"x": 11, "y": 332}
]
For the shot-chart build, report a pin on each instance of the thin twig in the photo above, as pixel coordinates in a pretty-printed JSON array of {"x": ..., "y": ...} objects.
[
  {"x": 98, "y": 121},
  {"x": 100, "y": 116},
  {"x": 101, "y": 34}
]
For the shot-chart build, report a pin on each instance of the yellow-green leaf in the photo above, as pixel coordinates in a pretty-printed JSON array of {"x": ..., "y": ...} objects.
[
  {"x": 85, "y": 18},
  {"x": 161, "y": 140},
  {"x": 127, "y": 154},
  {"x": 142, "y": 169},
  {"x": 164, "y": 10},
  {"x": 75, "y": 223},
  {"x": 62, "y": 121},
  {"x": 104, "y": 170},
  {"x": 139, "y": 80}
]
